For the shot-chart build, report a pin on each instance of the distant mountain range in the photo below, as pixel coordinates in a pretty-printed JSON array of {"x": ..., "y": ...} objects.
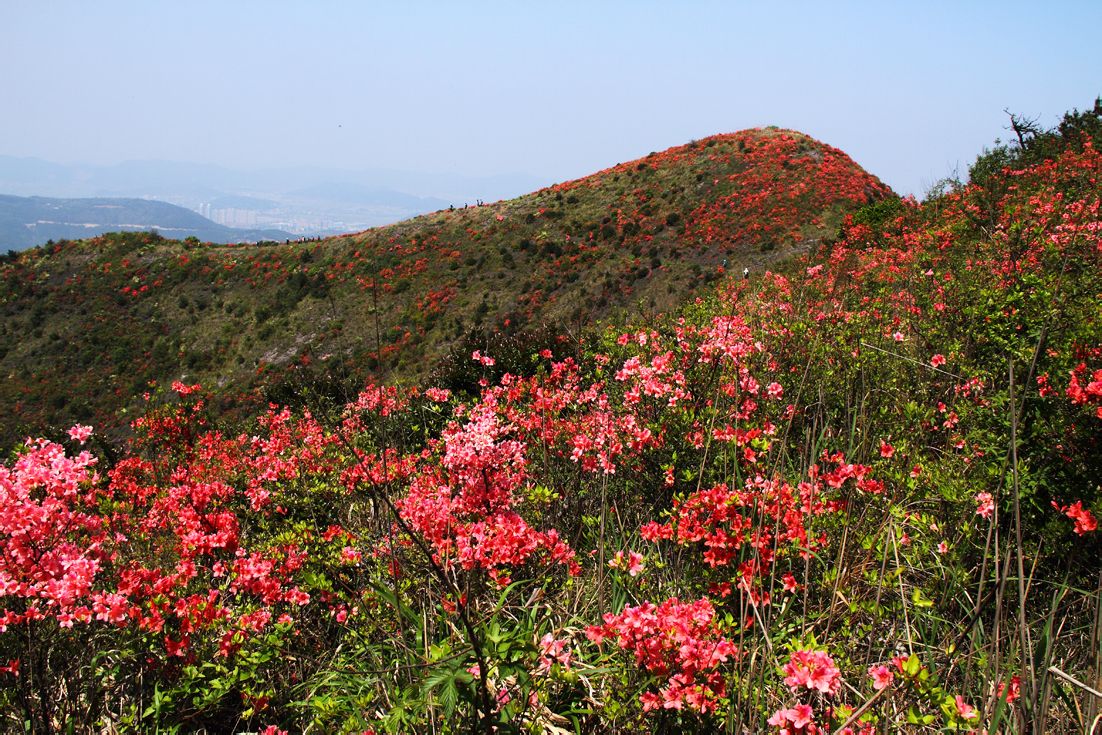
[
  {"x": 303, "y": 200},
  {"x": 29, "y": 221}
]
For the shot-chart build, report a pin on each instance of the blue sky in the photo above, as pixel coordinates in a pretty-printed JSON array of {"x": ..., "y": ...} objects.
[{"x": 554, "y": 89}]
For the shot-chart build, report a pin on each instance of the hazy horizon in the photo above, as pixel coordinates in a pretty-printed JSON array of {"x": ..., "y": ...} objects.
[{"x": 548, "y": 93}]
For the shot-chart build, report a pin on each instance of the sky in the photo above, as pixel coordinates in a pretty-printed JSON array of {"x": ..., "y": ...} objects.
[{"x": 555, "y": 90}]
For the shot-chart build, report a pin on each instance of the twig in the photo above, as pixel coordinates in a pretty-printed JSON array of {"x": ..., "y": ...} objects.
[
  {"x": 902, "y": 595},
  {"x": 1072, "y": 680},
  {"x": 1023, "y": 627},
  {"x": 911, "y": 359},
  {"x": 860, "y": 711}
]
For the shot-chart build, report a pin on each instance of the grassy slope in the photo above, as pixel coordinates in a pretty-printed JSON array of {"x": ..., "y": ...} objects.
[{"x": 88, "y": 325}]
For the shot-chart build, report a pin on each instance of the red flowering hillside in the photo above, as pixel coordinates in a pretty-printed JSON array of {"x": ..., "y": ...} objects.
[
  {"x": 857, "y": 496},
  {"x": 89, "y": 325}
]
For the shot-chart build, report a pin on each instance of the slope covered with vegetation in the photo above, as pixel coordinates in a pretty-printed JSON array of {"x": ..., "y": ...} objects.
[
  {"x": 87, "y": 325},
  {"x": 858, "y": 496}
]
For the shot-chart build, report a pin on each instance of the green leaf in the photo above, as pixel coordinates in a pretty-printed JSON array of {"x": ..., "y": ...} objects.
[
  {"x": 388, "y": 596},
  {"x": 443, "y": 684}
]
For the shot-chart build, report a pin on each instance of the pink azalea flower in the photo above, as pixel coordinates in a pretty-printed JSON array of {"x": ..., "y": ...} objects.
[
  {"x": 439, "y": 395},
  {"x": 882, "y": 677},
  {"x": 183, "y": 388},
  {"x": 812, "y": 670},
  {"x": 632, "y": 562},
  {"x": 553, "y": 650},
  {"x": 80, "y": 433},
  {"x": 965, "y": 710},
  {"x": 800, "y": 718},
  {"x": 486, "y": 360},
  {"x": 986, "y": 505}
]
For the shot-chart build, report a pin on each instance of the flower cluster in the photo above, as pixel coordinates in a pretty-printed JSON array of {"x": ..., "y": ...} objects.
[
  {"x": 1091, "y": 393},
  {"x": 553, "y": 651},
  {"x": 464, "y": 507},
  {"x": 677, "y": 643},
  {"x": 1085, "y": 522},
  {"x": 812, "y": 670},
  {"x": 53, "y": 543},
  {"x": 797, "y": 720}
]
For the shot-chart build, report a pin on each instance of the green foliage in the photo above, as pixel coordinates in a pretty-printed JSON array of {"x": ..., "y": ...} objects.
[
  {"x": 514, "y": 351},
  {"x": 1034, "y": 144},
  {"x": 878, "y": 214}
]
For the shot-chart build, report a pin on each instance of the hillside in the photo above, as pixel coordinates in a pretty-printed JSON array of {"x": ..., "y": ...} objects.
[
  {"x": 29, "y": 221},
  {"x": 858, "y": 496},
  {"x": 89, "y": 324}
]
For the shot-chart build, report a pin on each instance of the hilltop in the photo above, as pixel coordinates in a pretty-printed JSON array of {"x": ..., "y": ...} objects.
[{"x": 89, "y": 325}]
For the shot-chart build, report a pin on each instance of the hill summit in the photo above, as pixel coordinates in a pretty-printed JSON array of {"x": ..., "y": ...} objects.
[{"x": 90, "y": 324}]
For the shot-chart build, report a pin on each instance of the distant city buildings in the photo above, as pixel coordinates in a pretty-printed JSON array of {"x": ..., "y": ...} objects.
[
  {"x": 232, "y": 217},
  {"x": 297, "y": 219},
  {"x": 278, "y": 219}
]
